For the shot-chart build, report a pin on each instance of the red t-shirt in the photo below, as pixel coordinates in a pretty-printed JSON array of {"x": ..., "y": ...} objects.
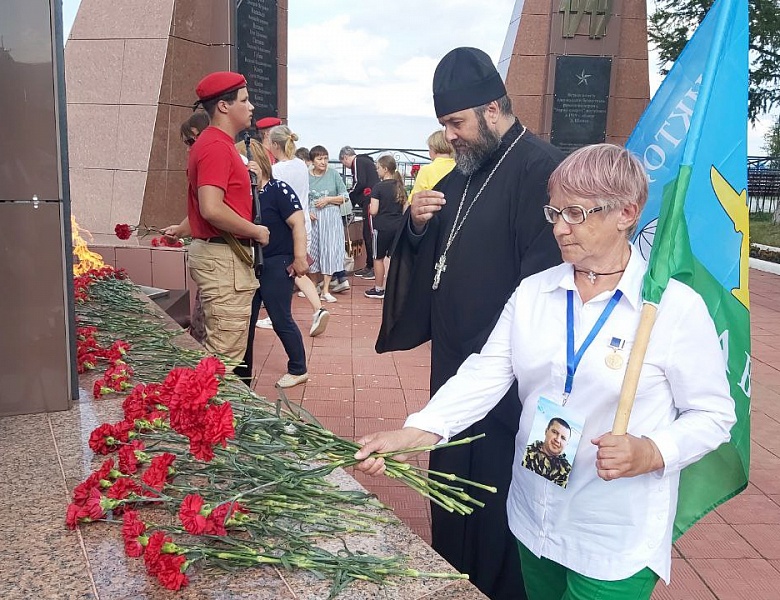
[{"x": 215, "y": 161}]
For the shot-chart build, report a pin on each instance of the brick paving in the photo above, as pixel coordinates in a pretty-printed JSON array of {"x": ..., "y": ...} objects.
[{"x": 732, "y": 554}]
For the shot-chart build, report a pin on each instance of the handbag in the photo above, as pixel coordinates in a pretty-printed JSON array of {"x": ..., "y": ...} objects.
[
  {"x": 346, "y": 208},
  {"x": 349, "y": 259}
]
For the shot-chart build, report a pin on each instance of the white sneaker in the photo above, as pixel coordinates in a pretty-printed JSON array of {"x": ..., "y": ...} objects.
[
  {"x": 288, "y": 380},
  {"x": 264, "y": 323},
  {"x": 340, "y": 287},
  {"x": 319, "y": 322},
  {"x": 327, "y": 298}
]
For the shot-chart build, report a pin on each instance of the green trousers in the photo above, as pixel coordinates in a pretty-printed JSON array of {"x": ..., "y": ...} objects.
[{"x": 547, "y": 580}]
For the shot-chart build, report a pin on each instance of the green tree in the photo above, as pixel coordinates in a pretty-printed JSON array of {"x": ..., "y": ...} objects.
[
  {"x": 674, "y": 21},
  {"x": 772, "y": 139}
]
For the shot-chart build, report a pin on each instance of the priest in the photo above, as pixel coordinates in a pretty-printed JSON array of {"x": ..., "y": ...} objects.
[{"x": 462, "y": 251}]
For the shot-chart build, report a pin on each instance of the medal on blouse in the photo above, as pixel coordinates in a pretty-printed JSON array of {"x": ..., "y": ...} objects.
[
  {"x": 573, "y": 357},
  {"x": 614, "y": 360}
]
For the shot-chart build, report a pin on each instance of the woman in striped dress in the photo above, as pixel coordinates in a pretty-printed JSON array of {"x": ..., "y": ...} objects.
[{"x": 327, "y": 193}]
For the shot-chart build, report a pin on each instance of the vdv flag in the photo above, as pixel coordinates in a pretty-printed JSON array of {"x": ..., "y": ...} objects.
[{"x": 693, "y": 141}]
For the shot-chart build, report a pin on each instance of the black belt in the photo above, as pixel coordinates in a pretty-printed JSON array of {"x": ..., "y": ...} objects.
[{"x": 220, "y": 240}]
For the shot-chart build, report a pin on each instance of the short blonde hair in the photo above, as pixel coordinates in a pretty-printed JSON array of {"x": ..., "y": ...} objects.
[
  {"x": 439, "y": 144},
  {"x": 606, "y": 173}
]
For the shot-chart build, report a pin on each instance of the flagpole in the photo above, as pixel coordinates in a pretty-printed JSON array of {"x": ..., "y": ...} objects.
[{"x": 634, "y": 369}]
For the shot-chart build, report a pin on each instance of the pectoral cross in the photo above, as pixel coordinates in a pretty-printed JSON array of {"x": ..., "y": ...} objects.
[{"x": 441, "y": 266}]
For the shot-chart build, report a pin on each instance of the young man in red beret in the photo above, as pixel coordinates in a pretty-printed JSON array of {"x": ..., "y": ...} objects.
[
  {"x": 219, "y": 205},
  {"x": 264, "y": 125}
]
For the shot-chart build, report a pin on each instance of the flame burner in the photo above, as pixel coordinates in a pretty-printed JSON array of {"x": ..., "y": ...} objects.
[{"x": 84, "y": 259}]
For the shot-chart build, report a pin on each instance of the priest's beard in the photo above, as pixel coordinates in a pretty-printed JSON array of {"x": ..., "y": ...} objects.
[{"x": 469, "y": 156}]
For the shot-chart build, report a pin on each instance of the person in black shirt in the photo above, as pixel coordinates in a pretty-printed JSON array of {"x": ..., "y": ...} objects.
[
  {"x": 364, "y": 178},
  {"x": 284, "y": 258},
  {"x": 386, "y": 212}
]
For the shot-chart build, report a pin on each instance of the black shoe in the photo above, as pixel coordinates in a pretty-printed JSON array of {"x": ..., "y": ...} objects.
[
  {"x": 361, "y": 272},
  {"x": 368, "y": 275},
  {"x": 374, "y": 293}
]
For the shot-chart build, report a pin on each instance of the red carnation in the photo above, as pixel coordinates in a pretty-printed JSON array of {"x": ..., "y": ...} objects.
[
  {"x": 157, "y": 473},
  {"x": 123, "y": 231},
  {"x": 100, "y": 388},
  {"x": 122, "y": 488},
  {"x": 128, "y": 461},
  {"x": 102, "y": 440},
  {"x": 132, "y": 529},
  {"x": 105, "y": 469},
  {"x": 82, "y": 491},
  {"x": 73, "y": 515},
  {"x": 219, "y": 424},
  {"x": 155, "y": 242},
  {"x": 211, "y": 366},
  {"x": 169, "y": 571},
  {"x": 189, "y": 514},
  {"x": 216, "y": 521},
  {"x": 367, "y": 192},
  {"x": 154, "y": 551},
  {"x": 93, "y": 508},
  {"x": 201, "y": 449}
]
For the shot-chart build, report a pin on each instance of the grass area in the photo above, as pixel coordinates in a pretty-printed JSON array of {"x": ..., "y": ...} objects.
[{"x": 762, "y": 231}]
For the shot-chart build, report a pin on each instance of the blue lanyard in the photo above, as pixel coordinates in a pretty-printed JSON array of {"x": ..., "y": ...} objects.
[{"x": 573, "y": 358}]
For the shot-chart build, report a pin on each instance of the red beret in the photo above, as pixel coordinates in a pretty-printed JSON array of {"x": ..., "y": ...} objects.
[
  {"x": 216, "y": 84},
  {"x": 267, "y": 122}
]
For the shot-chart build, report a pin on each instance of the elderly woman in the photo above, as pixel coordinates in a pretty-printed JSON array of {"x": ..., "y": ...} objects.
[
  {"x": 592, "y": 511},
  {"x": 327, "y": 193}
]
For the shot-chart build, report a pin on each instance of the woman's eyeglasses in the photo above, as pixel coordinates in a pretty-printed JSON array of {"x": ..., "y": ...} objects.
[{"x": 573, "y": 215}]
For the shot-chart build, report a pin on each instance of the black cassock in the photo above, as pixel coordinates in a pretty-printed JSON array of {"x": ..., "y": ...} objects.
[{"x": 504, "y": 239}]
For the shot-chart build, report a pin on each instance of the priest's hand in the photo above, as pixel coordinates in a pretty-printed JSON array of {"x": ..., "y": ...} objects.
[
  {"x": 425, "y": 205},
  {"x": 390, "y": 441},
  {"x": 626, "y": 456}
]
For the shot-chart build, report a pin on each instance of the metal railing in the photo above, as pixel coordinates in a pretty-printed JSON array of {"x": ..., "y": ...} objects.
[
  {"x": 763, "y": 183},
  {"x": 405, "y": 159}
]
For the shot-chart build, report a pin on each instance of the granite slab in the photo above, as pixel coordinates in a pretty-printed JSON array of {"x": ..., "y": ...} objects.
[{"x": 42, "y": 457}]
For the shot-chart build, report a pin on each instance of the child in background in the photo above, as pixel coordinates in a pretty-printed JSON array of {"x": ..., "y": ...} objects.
[{"x": 388, "y": 199}]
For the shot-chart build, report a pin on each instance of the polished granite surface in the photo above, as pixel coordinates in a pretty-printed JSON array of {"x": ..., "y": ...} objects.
[{"x": 43, "y": 457}]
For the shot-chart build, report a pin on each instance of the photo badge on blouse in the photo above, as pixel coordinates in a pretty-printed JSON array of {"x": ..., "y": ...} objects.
[{"x": 555, "y": 435}]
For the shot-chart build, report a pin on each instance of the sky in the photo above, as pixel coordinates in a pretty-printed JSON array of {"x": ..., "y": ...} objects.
[{"x": 359, "y": 73}]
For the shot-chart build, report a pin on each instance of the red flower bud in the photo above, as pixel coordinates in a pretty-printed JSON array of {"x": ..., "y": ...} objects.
[{"x": 123, "y": 231}]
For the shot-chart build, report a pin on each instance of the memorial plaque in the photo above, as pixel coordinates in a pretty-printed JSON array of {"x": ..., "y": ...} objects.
[
  {"x": 256, "y": 53},
  {"x": 580, "y": 103}
]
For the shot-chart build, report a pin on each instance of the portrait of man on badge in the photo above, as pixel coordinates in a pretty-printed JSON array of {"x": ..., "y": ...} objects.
[{"x": 556, "y": 436}]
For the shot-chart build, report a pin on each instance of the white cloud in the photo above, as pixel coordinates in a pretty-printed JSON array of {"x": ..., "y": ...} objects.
[{"x": 360, "y": 73}]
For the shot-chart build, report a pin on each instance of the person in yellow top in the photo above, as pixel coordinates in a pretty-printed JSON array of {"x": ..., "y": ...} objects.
[{"x": 441, "y": 152}]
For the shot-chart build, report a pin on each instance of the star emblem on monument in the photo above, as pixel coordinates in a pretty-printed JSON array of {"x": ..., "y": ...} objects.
[{"x": 583, "y": 78}]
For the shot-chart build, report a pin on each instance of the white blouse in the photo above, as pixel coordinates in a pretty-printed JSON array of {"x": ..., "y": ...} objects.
[{"x": 606, "y": 530}]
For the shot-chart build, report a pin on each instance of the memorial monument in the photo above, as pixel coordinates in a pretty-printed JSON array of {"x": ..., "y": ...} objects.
[
  {"x": 131, "y": 71},
  {"x": 36, "y": 311},
  {"x": 576, "y": 70}
]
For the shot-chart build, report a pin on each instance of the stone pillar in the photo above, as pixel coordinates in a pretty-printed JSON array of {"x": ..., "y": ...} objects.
[
  {"x": 131, "y": 71},
  {"x": 547, "y": 37}
]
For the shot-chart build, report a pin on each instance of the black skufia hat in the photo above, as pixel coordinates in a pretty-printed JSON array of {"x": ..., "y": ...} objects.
[{"x": 465, "y": 78}]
